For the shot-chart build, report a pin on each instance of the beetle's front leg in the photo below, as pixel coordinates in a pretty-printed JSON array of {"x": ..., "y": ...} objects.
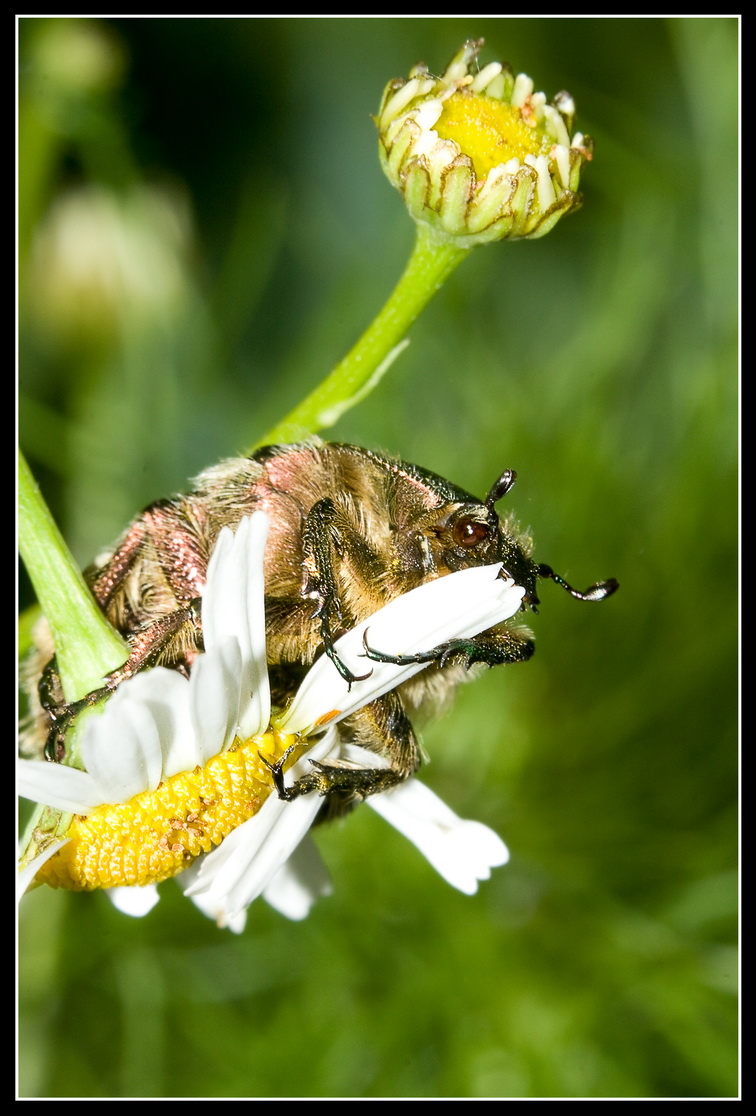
[
  {"x": 320, "y": 538},
  {"x": 146, "y": 647},
  {"x": 163, "y": 557},
  {"x": 382, "y": 727},
  {"x": 494, "y": 648}
]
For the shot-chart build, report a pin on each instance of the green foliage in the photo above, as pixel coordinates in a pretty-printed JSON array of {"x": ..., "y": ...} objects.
[{"x": 601, "y": 363}]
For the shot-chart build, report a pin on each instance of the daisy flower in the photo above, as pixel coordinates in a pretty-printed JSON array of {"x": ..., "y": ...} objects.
[
  {"x": 177, "y": 779},
  {"x": 478, "y": 154}
]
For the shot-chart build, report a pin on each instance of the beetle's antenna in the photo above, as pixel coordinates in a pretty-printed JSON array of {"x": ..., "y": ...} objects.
[
  {"x": 598, "y": 592},
  {"x": 500, "y": 487}
]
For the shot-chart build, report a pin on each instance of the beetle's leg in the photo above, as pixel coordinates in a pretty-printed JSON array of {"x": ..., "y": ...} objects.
[
  {"x": 162, "y": 535},
  {"x": 162, "y": 543},
  {"x": 320, "y": 538},
  {"x": 169, "y": 560},
  {"x": 148, "y": 644},
  {"x": 493, "y": 648},
  {"x": 381, "y": 727},
  {"x": 146, "y": 647}
]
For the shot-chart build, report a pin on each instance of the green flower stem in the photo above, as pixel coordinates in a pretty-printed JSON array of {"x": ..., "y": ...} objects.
[
  {"x": 85, "y": 644},
  {"x": 430, "y": 264}
]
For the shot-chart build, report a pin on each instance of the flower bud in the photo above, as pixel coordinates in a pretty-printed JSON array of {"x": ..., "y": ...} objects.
[{"x": 477, "y": 154}]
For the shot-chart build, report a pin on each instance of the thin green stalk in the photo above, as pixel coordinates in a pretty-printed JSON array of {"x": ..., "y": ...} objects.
[
  {"x": 87, "y": 647},
  {"x": 430, "y": 264}
]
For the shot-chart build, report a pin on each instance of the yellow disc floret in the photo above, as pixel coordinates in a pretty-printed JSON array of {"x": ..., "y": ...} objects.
[
  {"x": 489, "y": 130},
  {"x": 158, "y": 833}
]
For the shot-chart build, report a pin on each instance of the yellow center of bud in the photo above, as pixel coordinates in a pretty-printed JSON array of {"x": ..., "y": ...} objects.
[
  {"x": 159, "y": 833},
  {"x": 490, "y": 131}
]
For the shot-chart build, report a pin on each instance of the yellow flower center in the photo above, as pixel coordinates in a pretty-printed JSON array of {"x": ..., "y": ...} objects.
[
  {"x": 490, "y": 131},
  {"x": 159, "y": 833}
]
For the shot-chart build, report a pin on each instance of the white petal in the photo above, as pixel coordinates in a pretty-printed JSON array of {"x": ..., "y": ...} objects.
[
  {"x": 121, "y": 746},
  {"x": 299, "y": 882},
  {"x": 463, "y": 852},
  {"x": 235, "y": 874},
  {"x": 457, "y": 606},
  {"x": 217, "y": 611},
  {"x": 413, "y": 88},
  {"x": 255, "y": 717},
  {"x": 428, "y": 113},
  {"x": 241, "y": 868},
  {"x": 485, "y": 76},
  {"x": 217, "y": 912},
  {"x": 63, "y": 788},
  {"x": 523, "y": 88},
  {"x": 233, "y": 604},
  {"x": 557, "y": 126},
  {"x": 215, "y": 697},
  {"x": 134, "y": 901},
  {"x": 358, "y": 756},
  {"x": 165, "y": 693},
  {"x": 562, "y": 159},
  {"x": 27, "y": 873}
]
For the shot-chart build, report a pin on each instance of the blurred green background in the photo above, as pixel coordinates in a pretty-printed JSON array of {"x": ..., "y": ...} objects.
[{"x": 204, "y": 231}]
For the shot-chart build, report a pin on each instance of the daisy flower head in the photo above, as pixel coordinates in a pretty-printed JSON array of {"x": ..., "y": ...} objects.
[
  {"x": 478, "y": 154},
  {"x": 178, "y": 777}
]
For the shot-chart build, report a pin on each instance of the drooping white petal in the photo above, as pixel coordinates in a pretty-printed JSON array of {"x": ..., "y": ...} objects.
[
  {"x": 461, "y": 851},
  {"x": 299, "y": 882},
  {"x": 457, "y": 606},
  {"x": 63, "y": 788},
  {"x": 210, "y": 906},
  {"x": 27, "y": 873},
  {"x": 134, "y": 901},
  {"x": 241, "y": 868}
]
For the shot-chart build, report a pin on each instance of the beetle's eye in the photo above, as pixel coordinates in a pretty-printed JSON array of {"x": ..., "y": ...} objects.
[{"x": 469, "y": 532}]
